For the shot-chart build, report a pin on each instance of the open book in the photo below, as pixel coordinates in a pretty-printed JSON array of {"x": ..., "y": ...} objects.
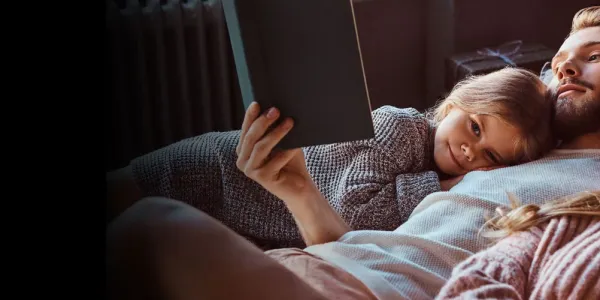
[{"x": 302, "y": 57}]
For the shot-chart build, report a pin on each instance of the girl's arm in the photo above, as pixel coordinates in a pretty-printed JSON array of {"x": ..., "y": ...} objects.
[{"x": 377, "y": 183}]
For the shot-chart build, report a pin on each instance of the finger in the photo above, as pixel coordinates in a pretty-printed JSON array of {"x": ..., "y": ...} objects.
[
  {"x": 280, "y": 160},
  {"x": 251, "y": 114},
  {"x": 265, "y": 146},
  {"x": 256, "y": 132}
]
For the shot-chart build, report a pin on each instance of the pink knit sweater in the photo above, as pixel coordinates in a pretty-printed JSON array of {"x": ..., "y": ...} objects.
[{"x": 559, "y": 259}]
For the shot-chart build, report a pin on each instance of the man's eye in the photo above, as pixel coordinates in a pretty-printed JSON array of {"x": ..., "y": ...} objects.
[
  {"x": 593, "y": 57},
  {"x": 475, "y": 128}
]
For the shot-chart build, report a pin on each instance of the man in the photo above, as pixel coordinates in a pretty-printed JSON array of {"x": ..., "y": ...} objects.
[
  {"x": 576, "y": 83},
  {"x": 160, "y": 248}
]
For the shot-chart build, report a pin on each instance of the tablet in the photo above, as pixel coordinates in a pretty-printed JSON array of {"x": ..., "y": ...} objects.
[{"x": 304, "y": 58}]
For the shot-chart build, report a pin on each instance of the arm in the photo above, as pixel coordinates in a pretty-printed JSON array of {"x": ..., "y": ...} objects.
[
  {"x": 411, "y": 189},
  {"x": 284, "y": 174},
  {"x": 317, "y": 221},
  {"x": 499, "y": 272},
  {"x": 381, "y": 180},
  {"x": 385, "y": 205}
]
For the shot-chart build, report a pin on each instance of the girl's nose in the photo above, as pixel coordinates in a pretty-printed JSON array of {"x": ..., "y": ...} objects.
[{"x": 467, "y": 152}]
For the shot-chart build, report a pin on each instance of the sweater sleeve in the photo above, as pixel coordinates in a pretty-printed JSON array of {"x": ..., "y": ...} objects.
[
  {"x": 376, "y": 183},
  {"x": 412, "y": 188},
  {"x": 499, "y": 272}
]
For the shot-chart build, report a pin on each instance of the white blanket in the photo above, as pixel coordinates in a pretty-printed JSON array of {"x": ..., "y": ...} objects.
[{"x": 415, "y": 260}]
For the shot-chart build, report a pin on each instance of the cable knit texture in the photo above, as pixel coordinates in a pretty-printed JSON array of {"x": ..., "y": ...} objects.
[
  {"x": 372, "y": 184},
  {"x": 556, "y": 260}
]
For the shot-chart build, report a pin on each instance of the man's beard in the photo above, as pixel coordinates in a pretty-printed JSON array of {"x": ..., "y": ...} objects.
[{"x": 576, "y": 117}]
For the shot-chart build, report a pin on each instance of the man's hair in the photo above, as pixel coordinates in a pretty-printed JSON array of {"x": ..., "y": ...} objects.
[
  {"x": 585, "y": 18},
  {"x": 513, "y": 95}
]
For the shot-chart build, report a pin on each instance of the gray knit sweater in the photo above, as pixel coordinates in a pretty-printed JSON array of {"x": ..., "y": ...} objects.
[{"x": 372, "y": 184}]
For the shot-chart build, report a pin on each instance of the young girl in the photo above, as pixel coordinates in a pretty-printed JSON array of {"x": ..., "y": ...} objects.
[
  {"x": 489, "y": 121},
  {"x": 544, "y": 252}
]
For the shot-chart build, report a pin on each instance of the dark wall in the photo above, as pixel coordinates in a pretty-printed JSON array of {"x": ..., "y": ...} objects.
[
  {"x": 391, "y": 35},
  {"x": 398, "y": 39},
  {"x": 481, "y": 23}
]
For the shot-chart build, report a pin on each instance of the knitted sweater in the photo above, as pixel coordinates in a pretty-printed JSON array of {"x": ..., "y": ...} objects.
[
  {"x": 415, "y": 260},
  {"x": 372, "y": 184},
  {"x": 559, "y": 259}
]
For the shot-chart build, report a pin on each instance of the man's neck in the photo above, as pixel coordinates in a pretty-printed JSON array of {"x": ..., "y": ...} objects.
[{"x": 586, "y": 141}]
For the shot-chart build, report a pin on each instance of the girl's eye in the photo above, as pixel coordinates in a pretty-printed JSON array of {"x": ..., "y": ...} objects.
[
  {"x": 593, "y": 57},
  {"x": 475, "y": 128},
  {"x": 492, "y": 157}
]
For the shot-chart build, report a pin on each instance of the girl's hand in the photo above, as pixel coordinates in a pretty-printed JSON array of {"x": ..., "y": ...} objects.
[
  {"x": 283, "y": 173},
  {"x": 447, "y": 184}
]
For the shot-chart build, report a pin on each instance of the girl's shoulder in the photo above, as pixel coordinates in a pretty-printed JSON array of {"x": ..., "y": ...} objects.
[
  {"x": 396, "y": 128},
  {"x": 400, "y": 112},
  {"x": 389, "y": 116}
]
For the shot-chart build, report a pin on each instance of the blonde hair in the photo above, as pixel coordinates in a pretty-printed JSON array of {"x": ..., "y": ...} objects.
[
  {"x": 585, "y": 18},
  {"x": 513, "y": 95},
  {"x": 523, "y": 217}
]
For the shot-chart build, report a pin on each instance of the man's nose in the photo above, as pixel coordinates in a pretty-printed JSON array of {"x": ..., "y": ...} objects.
[{"x": 567, "y": 69}]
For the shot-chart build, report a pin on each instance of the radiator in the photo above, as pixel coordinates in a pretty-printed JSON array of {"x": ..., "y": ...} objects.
[{"x": 171, "y": 75}]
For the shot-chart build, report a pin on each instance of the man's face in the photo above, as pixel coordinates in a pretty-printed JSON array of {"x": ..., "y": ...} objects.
[{"x": 576, "y": 84}]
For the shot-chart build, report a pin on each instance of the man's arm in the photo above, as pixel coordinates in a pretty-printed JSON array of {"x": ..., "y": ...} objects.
[{"x": 121, "y": 191}]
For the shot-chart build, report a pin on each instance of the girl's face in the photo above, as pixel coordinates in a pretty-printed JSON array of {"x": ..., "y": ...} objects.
[{"x": 465, "y": 142}]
